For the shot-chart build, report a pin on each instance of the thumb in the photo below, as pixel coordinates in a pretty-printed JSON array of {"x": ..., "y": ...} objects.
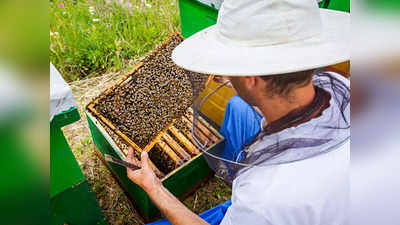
[{"x": 145, "y": 160}]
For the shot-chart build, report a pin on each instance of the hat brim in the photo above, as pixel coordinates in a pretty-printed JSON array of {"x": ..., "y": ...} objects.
[{"x": 203, "y": 52}]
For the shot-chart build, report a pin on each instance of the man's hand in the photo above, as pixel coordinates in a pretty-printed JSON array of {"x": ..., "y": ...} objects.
[
  {"x": 145, "y": 176},
  {"x": 170, "y": 206}
]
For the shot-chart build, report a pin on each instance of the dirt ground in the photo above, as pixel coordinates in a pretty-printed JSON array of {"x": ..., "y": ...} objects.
[{"x": 112, "y": 200}]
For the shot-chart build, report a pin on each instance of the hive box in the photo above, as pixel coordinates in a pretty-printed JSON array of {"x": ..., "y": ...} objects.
[{"x": 181, "y": 181}]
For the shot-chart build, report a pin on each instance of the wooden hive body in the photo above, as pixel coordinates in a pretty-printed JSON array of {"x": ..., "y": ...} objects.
[{"x": 191, "y": 167}]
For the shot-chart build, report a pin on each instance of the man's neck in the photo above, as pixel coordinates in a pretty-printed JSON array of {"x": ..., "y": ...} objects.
[{"x": 276, "y": 107}]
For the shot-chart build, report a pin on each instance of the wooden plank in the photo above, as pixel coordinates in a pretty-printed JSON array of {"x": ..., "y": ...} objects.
[
  {"x": 189, "y": 136},
  {"x": 176, "y": 147},
  {"x": 153, "y": 142},
  {"x": 202, "y": 128},
  {"x": 203, "y": 140},
  {"x": 149, "y": 146},
  {"x": 197, "y": 132},
  {"x": 189, "y": 146},
  {"x": 178, "y": 161},
  {"x": 189, "y": 113}
]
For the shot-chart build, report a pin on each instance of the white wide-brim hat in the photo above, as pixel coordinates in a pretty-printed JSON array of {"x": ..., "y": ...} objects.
[{"x": 261, "y": 37}]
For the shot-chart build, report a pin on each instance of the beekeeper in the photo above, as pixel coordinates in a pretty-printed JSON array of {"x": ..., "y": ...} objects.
[{"x": 292, "y": 158}]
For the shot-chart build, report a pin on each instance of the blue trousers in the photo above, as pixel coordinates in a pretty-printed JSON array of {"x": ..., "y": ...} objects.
[{"x": 241, "y": 124}]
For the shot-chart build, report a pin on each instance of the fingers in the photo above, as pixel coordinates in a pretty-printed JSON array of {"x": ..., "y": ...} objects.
[
  {"x": 130, "y": 158},
  {"x": 137, "y": 162}
]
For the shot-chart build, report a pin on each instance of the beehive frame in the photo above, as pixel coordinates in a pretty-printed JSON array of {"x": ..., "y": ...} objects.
[
  {"x": 126, "y": 78},
  {"x": 205, "y": 127}
]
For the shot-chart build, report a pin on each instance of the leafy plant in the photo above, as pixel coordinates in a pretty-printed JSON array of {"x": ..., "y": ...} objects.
[{"x": 90, "y": 37}]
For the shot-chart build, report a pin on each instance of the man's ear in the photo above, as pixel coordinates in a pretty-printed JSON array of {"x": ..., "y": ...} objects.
[{"x": 249, "y": 82}]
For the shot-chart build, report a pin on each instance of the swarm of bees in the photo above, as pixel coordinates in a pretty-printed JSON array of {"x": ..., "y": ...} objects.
[{"x": 156, "y": 93}]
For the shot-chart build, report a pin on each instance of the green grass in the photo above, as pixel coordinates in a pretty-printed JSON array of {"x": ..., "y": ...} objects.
[{"x": 110, "y": 37}]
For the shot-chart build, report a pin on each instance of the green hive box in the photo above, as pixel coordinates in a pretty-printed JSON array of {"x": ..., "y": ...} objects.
[
  {"x": 196, "y": 15},
  {"x": 341, "y": 5},
  {"x": 71, "y": 198},
  {"x": 179, "y": 182}
]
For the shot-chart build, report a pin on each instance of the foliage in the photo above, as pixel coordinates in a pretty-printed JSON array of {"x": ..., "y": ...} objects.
[{"x": 89, "y": 37}]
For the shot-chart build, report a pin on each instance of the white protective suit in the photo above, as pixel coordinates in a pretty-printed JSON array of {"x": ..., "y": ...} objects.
[
  {"x": 308, "y": 189},
  {"x": 309, "y": 192}
]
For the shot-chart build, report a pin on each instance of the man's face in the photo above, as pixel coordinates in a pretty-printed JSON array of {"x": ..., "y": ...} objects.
[{"x": 244, "y": 90}]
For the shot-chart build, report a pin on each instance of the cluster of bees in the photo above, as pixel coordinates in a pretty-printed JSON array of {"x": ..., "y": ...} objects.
[{"x": 157, "y": 92}]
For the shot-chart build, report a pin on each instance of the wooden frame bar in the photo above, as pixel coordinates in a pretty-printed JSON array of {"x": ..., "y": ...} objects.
[
  {"x": 201, "y": 119},
  {"x": 122, "y": 153},
  {"x": 176, "y": 147},
  {"x": 157, "y": 138},
  {"x": 178, "y": 161},
  {"x": 113, "y": 128},
  {"x": 202, "y": 128},
  {"x": 197, "y": 132},
  {"x": 189, "y": 146}
]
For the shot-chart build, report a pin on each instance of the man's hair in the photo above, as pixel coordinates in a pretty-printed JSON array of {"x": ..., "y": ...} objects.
[{"x": 283, "y": 84}]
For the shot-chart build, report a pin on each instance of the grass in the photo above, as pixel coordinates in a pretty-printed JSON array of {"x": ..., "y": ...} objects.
[{"x": 91, "y": 37}]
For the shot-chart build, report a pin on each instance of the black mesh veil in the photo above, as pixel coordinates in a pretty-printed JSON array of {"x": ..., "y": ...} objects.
[{"x": 317, "y": 136}]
